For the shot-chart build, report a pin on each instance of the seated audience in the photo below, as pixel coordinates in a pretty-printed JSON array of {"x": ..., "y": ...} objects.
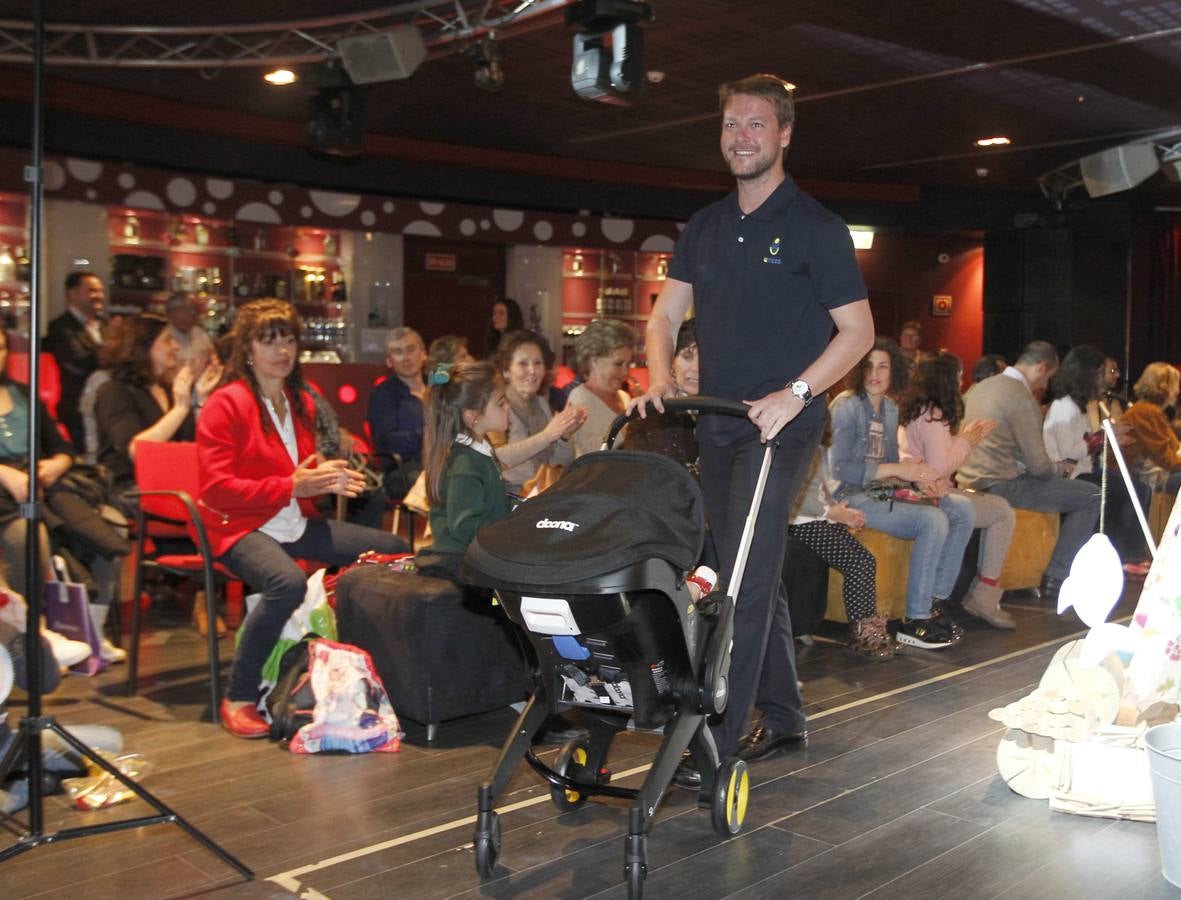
[
  {"x": 673, "y": 434},
  {"x": 826, "y": 527},
  {"x": 147, "y": 399},
  {"x": 395, "y": 412},
  {"x": 258, "y": 476},
  {"x": 95, "y": 534},
  {"x": 194, "y": 346},
  {"x": 1071, "y": 441},
  {"x": 1155, "y": 451},
  {"x": 449, "y": 348},
  {"x": 116, "y": 346},
  {"x": 464, "y": 403},
  {"x": 1109, "y": 392},
  {"x": 910, "y": 339},
  {"x": 1011, "y": 462},
  {"x": 988, "y": 365},
  {"x": 535, "y": 435},
  {"x": 865, "y": 449},
  {"x": 932, "y": 430},
  {"x": 604, "y": 352}
]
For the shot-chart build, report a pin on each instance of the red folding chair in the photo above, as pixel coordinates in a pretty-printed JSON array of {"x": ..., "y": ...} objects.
[{"x": 168, "y": 484}]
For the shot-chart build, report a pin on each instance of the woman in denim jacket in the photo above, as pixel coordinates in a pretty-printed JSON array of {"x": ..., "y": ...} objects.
[{"x": 865, "y": 448}]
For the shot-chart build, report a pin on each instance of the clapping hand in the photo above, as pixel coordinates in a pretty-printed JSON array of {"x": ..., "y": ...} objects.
[
  {"x": 331, "y": 477},
  {"x": 182, "y": 388},
  {"x": 977, "y": 430}
]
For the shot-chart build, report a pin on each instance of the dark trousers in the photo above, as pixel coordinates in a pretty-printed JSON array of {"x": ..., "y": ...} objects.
[
  {"x": 269, "y": 568},
  {"x": 762, "y": 663}
]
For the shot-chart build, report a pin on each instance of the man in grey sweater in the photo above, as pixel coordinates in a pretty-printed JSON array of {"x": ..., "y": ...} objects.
[{"x": 1012, "y": 461}]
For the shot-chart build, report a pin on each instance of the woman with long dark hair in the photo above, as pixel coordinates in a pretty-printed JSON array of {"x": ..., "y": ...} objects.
[
  {"x": 259, "y": 473},
  {"x": 506, "y": 316},
  {"x": 147, "y": 399},
  {"x": 932, "y": 429},
  {"x": 1070, "y": 441},
  {"x": 864, "y": 450}
]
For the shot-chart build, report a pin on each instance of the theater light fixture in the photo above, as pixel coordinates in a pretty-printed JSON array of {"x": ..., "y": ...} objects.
[
  {"x": 279, "y": 77},
  {"x": 999, "y": 141},
  {"x": 862, "y": 237},
  {"x": 608, "y": 64},
  {"x": 489, "y": 72}
]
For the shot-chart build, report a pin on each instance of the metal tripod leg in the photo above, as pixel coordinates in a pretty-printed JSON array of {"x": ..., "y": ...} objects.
[{"x": 166, "y": 815}]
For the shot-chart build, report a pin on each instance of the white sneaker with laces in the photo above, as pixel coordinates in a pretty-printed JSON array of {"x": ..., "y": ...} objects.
[{"x": 110, "y": 653}]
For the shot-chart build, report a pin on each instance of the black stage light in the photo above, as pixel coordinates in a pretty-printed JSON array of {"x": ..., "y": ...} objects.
[
  {"x": 489, "y": 72},
  {"x": 336, "y": 121},
  {"x": 608, "y": 61}
]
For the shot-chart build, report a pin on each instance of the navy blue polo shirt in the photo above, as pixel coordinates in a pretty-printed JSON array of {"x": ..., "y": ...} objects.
[{"x": 763, "y": 285}]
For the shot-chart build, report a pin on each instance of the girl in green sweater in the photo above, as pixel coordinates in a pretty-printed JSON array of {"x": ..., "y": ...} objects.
[{"x": 464, "y": 402}]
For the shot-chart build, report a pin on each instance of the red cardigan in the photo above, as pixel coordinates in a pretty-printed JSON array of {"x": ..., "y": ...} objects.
[{"x": 245, "y": 472}]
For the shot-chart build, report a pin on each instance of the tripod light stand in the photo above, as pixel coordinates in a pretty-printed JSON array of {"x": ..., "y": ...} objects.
[{"x": 26, "y": 745}]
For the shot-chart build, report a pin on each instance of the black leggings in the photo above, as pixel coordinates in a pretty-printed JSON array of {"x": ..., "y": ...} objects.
[{"x": 841, "y": 551}]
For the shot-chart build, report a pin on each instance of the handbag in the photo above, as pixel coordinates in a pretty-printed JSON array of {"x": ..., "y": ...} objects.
[
  {"x": 898, "y": 490},
  {"x": 67, "y": 611}
]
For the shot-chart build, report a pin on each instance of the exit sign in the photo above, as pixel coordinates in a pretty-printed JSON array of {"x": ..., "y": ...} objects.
[{"x": 440, "y": 262}]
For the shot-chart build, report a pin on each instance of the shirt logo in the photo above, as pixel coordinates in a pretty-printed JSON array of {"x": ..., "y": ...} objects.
[
  {"x": 773, "y": 253},
  {"x": 554, "y": 523}
]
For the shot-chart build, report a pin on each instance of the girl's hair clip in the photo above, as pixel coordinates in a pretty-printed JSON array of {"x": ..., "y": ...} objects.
[{"x": 440, "y": 374}]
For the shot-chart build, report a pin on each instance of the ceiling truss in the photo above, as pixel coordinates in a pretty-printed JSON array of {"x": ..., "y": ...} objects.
[{"x": 442, "y": 23}]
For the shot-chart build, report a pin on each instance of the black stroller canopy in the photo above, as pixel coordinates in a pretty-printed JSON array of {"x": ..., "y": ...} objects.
[{"x": 608, "y": 510}]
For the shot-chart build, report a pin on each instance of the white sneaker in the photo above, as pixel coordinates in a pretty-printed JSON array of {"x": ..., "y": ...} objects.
[
  {"x": 110, "y": 653},
  {"x": 66, "y": 652}
]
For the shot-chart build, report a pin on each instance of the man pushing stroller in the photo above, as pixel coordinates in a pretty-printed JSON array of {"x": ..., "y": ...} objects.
[{"x": 769, "y": 272}]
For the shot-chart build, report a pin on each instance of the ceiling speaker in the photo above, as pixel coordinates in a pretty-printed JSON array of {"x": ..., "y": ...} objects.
[
  {"x": 387, "y": 56},
  {"x": 1118, "y": 169}
]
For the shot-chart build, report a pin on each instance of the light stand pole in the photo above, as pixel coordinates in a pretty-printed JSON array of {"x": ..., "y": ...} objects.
[{"x": 26, "y": 745}]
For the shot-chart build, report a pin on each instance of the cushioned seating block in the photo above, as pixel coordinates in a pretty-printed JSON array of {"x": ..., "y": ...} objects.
[
  {"x": 442, "y": 652},
  {"x": 1030, "y": 550},
  {"x": 893, "y": 558},
  {"x": 1159, "y": 511}
]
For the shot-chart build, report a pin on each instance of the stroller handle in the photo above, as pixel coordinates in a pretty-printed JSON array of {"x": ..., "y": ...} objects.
[{"x": 698, "y": 403}]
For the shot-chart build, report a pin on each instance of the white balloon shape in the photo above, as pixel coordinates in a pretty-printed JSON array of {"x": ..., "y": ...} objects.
[{"x": 1095, "y": 583}]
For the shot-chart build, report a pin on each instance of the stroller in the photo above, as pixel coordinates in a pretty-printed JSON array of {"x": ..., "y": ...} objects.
[{"x": 594, "y": 571}]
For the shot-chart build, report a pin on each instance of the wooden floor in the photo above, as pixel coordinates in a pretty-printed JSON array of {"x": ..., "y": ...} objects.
[{"x": 897, "y": 796}]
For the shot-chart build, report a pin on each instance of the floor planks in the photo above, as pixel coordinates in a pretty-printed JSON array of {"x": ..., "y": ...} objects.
[{"x": 897, "y": 796}]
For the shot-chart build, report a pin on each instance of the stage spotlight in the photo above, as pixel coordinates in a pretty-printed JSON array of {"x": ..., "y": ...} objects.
[
  {"x": 489, "y": 73},
  {"x": 609, "y": 49},
  {"x": 336, "y": 121}
]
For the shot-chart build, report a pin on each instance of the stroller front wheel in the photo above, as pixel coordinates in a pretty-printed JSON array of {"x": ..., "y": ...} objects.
[
  {"x": 569, "y": 764},
  {"x": 730, "y": 797}
]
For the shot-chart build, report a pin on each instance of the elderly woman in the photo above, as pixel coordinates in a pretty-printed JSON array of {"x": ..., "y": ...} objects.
[
  {"x": 1155, "y": 444},
  {"x": 865, "y": 449},
  {"x": 258, "y": 476},
  {"x": 603, "y": 352},
  {"x": 535, "y": 435},
  {"x": 395, "y": 411}
]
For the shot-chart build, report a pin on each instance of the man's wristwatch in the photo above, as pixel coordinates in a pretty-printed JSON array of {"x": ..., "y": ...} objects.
[{"x": 800, "y": 389}]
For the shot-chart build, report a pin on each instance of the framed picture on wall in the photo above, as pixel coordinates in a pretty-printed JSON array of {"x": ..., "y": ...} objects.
[{"x": 941, "y": 305}]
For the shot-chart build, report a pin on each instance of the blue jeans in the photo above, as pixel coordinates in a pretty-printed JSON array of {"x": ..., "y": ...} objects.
[
  {"x": 940, "y": 534},
  {"x": 1078, "y": 501},
  {"x": 269, "y": 568}
]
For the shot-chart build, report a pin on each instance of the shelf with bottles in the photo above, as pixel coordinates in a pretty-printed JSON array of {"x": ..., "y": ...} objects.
[{"x": 159, "y": 251}]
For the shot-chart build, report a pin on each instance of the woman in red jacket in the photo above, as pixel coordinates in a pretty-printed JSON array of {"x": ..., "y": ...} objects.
[{"x": 259, "y": 473}]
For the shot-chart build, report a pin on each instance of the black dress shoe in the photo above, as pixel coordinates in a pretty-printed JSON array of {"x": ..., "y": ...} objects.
[
  {"x": 687, "y": 776},
  {"x": 764, "y": 741},
  {"x": 1049, "y": 588}
]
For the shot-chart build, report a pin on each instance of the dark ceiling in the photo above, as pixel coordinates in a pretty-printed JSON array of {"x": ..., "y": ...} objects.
[{"x": 889, "y": 93}]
